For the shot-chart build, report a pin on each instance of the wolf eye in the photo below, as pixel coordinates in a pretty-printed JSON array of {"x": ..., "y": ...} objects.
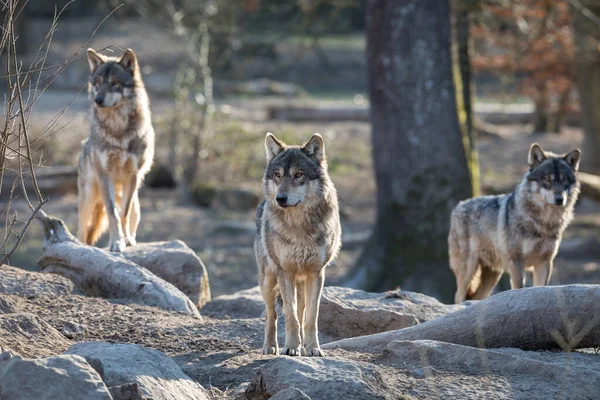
[
  {"x": 298, "y": 175},
  {"x": 116, "y": 83},
  {"x": 277, "y": 174}
]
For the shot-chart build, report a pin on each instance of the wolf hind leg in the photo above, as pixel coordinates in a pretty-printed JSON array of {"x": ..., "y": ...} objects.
[
  {"x": 488, "y": 281},
  {"x": 465, "y": 267}
]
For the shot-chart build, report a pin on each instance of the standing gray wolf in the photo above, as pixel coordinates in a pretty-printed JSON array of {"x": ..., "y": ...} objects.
[
  {"x": 514, "y": 232},
  {"x": 298, "y": 235},
  {"x": 118, "y": 152}
]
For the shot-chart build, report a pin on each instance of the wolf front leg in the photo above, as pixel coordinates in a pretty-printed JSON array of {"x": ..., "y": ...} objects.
[
  {"x": 116, "y": 239},
  {"x": 129, "y": 195},
  {"x": 287, "y": 285},
  {"x": 267, "y": 287},
  {"x": 542, "y": 273},
  {"x": 314, "y": 287}
]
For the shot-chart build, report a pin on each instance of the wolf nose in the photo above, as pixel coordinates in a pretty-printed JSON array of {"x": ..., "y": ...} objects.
[
  {"x": 559, "y": 200},
  {"x": 99, "y": 100},
  {"x": 281, "y": 198}
]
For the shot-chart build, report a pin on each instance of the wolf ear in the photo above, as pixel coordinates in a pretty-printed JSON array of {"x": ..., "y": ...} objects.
[
  {"x": 315, "y": 148},
  {"x": 573, "y": 159},
  {"x": 94, "y": 59},
  {"x": 129, "y": 61},
  {"x": 536, "y": 155},
  {"x": 273, "y": 146}
]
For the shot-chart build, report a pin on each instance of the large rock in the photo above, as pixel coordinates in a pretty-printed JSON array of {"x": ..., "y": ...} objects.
[
  {"x": 157, "y": 376},
  {"x": 346, "y": 312},
  {"x": 30, "y": 336},
  {"x": 65, "y": 377},
  {"x": 24, "y": 283},
  {"x": 527, "y": 374},
  {"x": 319, "y": 378},
  {"x": 177, "y": 264},
  {"x": 243, "y": 304}
]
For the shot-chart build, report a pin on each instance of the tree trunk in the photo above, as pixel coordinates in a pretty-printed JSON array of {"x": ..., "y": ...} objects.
[
  {"x": 540, "y": 115},
  {"x": 586, "y": 29},
  {"x": 420, "y": 163},
  {"x": 463, "y": 51}
]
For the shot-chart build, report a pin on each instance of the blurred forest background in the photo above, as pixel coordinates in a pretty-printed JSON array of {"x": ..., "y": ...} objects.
[{"x": 421, "y": 104}]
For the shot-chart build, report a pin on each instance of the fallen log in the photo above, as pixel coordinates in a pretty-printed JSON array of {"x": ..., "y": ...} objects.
[
  {"x": 536, "y": 318},
  {"x": 103, "y": 274},
  {"x": 590, "y": 185},
  {"x": 52, "y": 181}
]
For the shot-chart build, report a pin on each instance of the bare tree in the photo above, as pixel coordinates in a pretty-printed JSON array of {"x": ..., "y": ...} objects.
[{"x": 420, "y": 164}]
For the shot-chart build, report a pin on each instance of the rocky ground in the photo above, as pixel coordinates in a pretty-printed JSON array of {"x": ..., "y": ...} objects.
[{"x": 74, "y": 346}]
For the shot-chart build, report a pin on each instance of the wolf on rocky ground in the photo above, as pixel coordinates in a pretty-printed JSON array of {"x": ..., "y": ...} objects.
[
  {"x": 514, "y": 232},
  {"x": 117, "y": 154},
  {"x": 298, "y": 235}
]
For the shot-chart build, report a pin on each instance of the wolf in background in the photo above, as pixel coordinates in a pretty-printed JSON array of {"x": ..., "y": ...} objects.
[
  {"x": 514, "y": 232},
  {"x": 118, "y": 152},
  {"x": 298, "y": 235}
]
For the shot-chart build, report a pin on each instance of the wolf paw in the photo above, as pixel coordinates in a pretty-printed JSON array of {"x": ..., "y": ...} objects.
[
  {"x": 316, "y": 352},
  {"x": 291, "y": 351},
  {"x": 130, "y": 241},
  {"x": 270, "y": 351},
  {"x": 118, "y": 246}
]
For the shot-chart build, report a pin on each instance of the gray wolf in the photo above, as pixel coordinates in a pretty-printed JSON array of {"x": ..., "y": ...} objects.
[
  {"x": 514, "y": 232},
  {"x": 298, "y": 235},
  {"x": 118, "y": 152}
]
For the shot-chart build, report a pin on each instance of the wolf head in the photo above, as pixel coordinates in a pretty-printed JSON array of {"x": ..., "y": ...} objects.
[
  {"x": 112, "y": 79},
  {"x": 552, "y": 177},
  {"x": 295, "y": 175}
]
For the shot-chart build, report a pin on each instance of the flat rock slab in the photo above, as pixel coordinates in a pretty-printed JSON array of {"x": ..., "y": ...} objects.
[
  {"x": 64, "y": 377},
  {"x": 24, "y": 283},
  {"x": 344, "y": 312},
  {"x": 30, "y": 336},
  {"x": 527, "y": 374},
  {"x": 177, "y": 264},
  {"x": 157, "y": 376}
]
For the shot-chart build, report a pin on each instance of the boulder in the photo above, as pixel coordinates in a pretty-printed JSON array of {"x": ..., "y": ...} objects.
[
  {"x": 290, "y": 394},
  {"x": 319, "y": 378},
  {"x": 30, "y": 336},
  {"x": 346, "y": 312},
  {"x": 243, "y": 304},
  {"x": 157, "y": 376},
  {"x": 24, "y": 283},
  {"x": 177, "y": 264},
  {"x": 65, "y": 377}
]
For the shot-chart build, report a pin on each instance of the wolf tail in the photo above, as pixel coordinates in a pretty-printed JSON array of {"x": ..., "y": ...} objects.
[{"x": 97, "y": 225}]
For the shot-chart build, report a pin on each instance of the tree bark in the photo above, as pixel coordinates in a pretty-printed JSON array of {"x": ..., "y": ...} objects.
[
  {"x": 463, "y": 44},
  {"x": 537, "y": 318},
  {"x": 420, "y": 163},
  {"x": 586, "y": 27}
]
